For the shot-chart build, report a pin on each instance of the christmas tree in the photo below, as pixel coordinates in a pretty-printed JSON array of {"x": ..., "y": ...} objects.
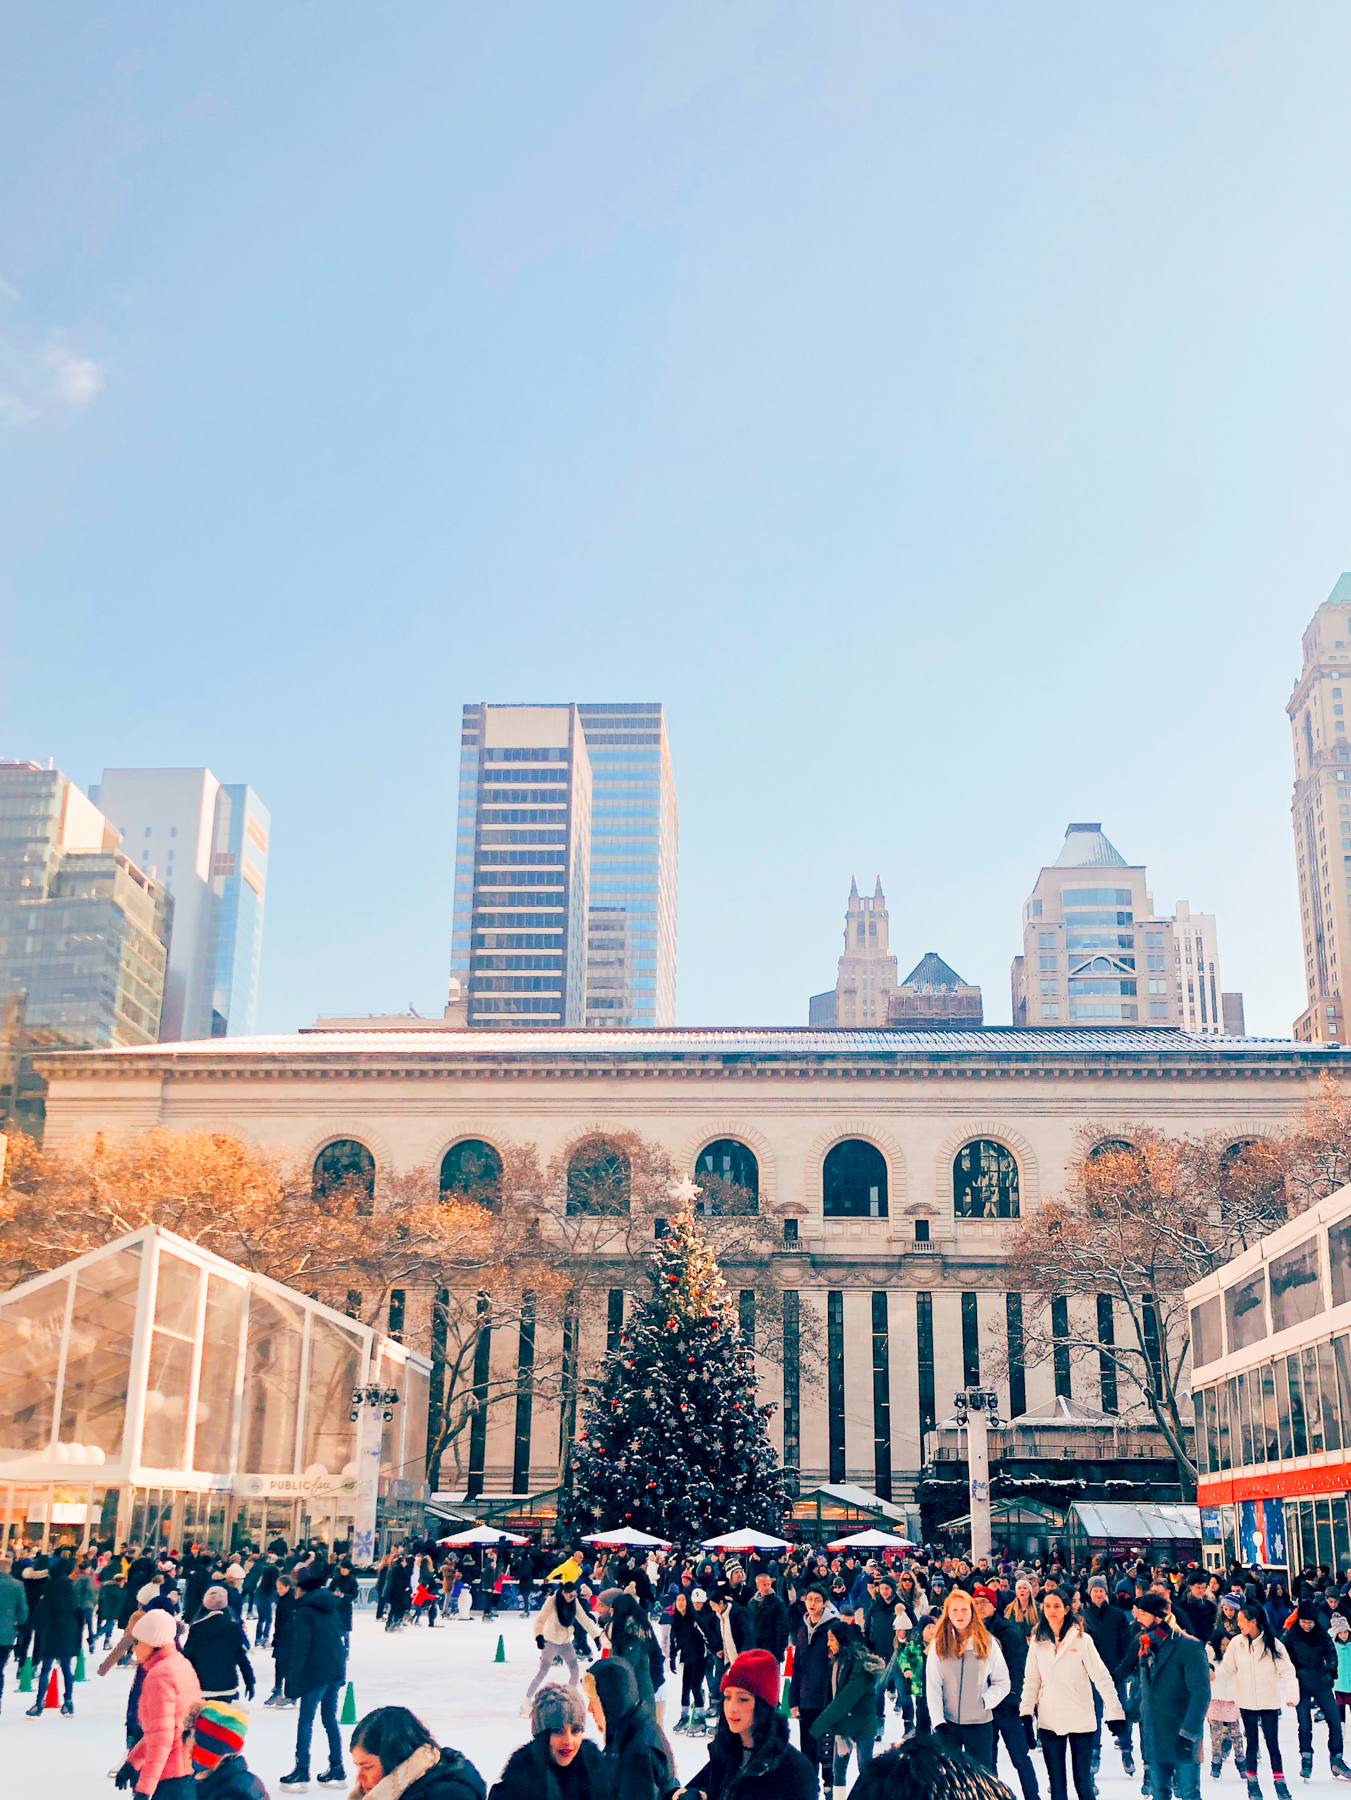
[{"x": 672, "y": 1439}]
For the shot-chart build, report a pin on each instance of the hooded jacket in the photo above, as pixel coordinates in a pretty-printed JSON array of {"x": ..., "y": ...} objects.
[
  {"x": 530, "y": 1774},
  {"x": 59, "y": 1624},
  {"x": 965, "y": 1689},
  {"x": 769, "y": 1623},
  {"x": 638, "y": 1759},
  {"x": 317, "y": 1658},
  {"x": 1313, "y": 1656},
  {"x": 810, "y": 1684}
]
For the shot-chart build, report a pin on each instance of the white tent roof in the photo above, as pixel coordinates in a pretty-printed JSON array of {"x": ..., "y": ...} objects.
[
  {"x": 744, "y": 1540},
  {"x": 1064, "y": 1410},
  {"x": 1167, "y": 1520},
  {"x": 627, "y": 1538}
]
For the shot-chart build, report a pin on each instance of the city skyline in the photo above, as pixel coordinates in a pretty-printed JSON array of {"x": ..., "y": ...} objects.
[{"x": 940, "y": 411}]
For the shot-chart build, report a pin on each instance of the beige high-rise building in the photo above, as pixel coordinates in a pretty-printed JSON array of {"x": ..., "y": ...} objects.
[
  {"x": 1095, "y": 952},
  {"x": 1320, "y": 812},
  {"x": 867, "y": 970}
]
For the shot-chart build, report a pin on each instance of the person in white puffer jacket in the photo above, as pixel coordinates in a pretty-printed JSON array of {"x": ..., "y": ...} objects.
[
  {"x": 1063, "y": 1669},
  {"x": 1263, "y": 1677}
]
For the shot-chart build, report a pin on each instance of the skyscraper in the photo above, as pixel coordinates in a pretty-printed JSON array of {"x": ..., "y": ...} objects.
[
  {"x": 933, "y": 997},
  {"x": 84, "y": 932},
  {"x": 1320, "y": 812},
  {"x": 522, "y": 865},
  {"x": 593, "y": 940},
  {"x": 1095, "y": 952},
  {"x": 631, "y": 949},
  {"x": 209, "y": 844},
  {"x": 866, "y": 974}
]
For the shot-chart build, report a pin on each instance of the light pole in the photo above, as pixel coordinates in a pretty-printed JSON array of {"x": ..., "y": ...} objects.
[
  {"x": 372, "y": 1409},
  {"x": 978, "y": 1415}
]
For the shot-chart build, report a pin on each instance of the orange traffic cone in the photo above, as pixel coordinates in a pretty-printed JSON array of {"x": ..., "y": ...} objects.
[{"x": 51, "y": 1699}]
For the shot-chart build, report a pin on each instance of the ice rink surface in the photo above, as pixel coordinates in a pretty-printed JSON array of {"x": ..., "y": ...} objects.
[{"x": 449, "y": 1678}]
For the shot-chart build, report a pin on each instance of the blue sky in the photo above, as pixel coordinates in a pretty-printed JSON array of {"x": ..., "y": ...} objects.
[{"x": 941, "y": 408}]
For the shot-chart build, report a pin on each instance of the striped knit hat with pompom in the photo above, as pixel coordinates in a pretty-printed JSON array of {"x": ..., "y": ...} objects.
[{"x": 218, "y": 1731}]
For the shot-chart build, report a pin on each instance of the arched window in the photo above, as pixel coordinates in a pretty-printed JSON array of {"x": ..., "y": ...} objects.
[
  {"x": 1252, "y": 1186},
  {"x": 598, "y": 1178},
  {"x": 729, "y": 1177},
  {"x": 473, "y": 1170},
  {"x": 1106, "y": 1146},
  {"x": 985, "y": 1181},
  {"x": 342, "y": 1168},
  {"x": 854, "y": 1181}
]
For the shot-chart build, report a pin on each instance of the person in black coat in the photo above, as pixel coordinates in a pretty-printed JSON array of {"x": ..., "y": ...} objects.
[
  {"x": 283, "y": 1637},
  {"x": 316, "y": 1670},
  {"x": 1118, "y": 1645},
  {"x": 59, "y": 1632},
  {"x": 217, "y": 1649},
  {"x": 750, "y": 1721},
  {"x": 1314, "y": 1655},
  {"x": 391, "y": 1741},
  {"x": 399, "y": 1590},
  {"x": 558, "y": 1763},
  {"x": 921, "y": 1769},
  {"x": 345, "y": 1585},
  {"x": 638, "y": 1759},
  {"x": 769, "y": 1619}
]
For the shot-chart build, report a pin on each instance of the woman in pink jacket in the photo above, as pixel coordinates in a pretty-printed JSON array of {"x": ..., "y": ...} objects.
[{"x": 160, "y": 1763}]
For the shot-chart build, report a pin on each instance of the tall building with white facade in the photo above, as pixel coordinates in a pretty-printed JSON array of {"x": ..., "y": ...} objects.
[
  {"x": 596, "y": 796},
  {"x": 1320, "y": 812},
  {"x": 522, "y": 866},
  {"x": 631, "y": 949},
  {"x": 1096, "y": 952},
  {"x": 866, "y": 977},
  {"x": 208, "y": 843}
]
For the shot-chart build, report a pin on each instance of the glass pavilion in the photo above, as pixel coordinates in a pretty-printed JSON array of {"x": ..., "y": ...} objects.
[{"x": 153, "y": 1392}]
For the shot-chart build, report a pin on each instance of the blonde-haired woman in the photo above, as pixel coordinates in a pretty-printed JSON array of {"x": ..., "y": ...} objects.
[
  {"x": 965, "y": 1678},
  {"x": 1063, "y": 1669}
]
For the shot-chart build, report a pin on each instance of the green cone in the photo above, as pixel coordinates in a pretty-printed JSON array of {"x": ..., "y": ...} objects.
[
  {"x": 349, "y": 1706},
  {"x": 26, "y": 1676},
  {"x": 79, "y": 1666},
  {"x": 501, "y": 1649}
]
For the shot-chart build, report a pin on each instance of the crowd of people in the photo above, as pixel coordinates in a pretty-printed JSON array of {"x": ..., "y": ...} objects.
[{"x": 961, "y": 1660}]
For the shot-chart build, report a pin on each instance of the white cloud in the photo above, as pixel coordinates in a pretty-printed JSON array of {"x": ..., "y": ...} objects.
[
  {"x": 78, "y": 378},
  {"x": 14, "y": 411}
]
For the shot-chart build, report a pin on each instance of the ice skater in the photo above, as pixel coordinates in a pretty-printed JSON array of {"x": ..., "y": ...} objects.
[{"x": 554, "y": 1624}]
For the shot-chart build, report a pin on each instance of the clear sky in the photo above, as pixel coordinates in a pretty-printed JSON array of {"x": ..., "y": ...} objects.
[{"x": 942, "y": 408}]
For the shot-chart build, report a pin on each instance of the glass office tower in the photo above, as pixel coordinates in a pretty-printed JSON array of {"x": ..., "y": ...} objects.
[
  {"x": 208, "y": 843},
  {"x": 84, "y": 932},
  {"x": 583, "y": 815},
  {"x": 522, "y": 865},
  {"x": 631, "y": 949}
]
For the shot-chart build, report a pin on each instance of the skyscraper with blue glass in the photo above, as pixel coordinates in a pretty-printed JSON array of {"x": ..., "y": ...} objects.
[{"x": 565, "y": 869}]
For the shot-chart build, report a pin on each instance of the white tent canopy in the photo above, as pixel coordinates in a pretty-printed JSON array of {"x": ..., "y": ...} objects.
[
  {"x": 744, "y": 1540},
  {"x": 626, "y": 1538},
  {"x": 484, "y": 1534},
  {"x": 872, "y": 1540}
]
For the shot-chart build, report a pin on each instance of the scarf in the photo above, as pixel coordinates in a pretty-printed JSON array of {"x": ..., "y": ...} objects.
[
  {"x": 390, "y": 1786},
  {"x": 1153, "y": 1640}
]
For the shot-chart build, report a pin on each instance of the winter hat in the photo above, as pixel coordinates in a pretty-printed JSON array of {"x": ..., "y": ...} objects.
[
  {"x": 1152, "y": 1603},
  {"x": 1097, "y": 1581},
  {"x": 215, "y": 1599},
  {"x": 698, "y": 1594},
  {"x": 757, "y": 1672},
  {"x": 554, "y": 1707},
  {"x": 615, "y": 1687},
  {"x": 609, "y": 1595},
  {"x": 217, "y": 1732},
  {"x": 985, "y": 1593},
  {"x": 157, "y": 1628},
  {"x": 1340, "y": 1625},
  {"x": 1307, "y": 1609},
  {"x": 1230, "y": 1602},
  {"x": 310, "y": 1579}
]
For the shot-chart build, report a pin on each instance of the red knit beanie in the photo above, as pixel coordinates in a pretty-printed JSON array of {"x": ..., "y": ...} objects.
[{"x": 757, "y": 1672}]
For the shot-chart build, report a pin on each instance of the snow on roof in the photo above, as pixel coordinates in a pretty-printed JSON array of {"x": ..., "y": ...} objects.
[{"x": 1169, "y": 1520}]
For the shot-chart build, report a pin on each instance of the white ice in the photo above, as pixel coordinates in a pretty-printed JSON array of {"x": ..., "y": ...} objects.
[{"x": 449, "y": 1678}]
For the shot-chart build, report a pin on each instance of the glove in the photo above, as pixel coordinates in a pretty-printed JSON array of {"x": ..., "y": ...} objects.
[
  {"x": 539, "y": 1643},
  {"x": 248, "y": 1690},
  {"x": 125, "y": 1776}
]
